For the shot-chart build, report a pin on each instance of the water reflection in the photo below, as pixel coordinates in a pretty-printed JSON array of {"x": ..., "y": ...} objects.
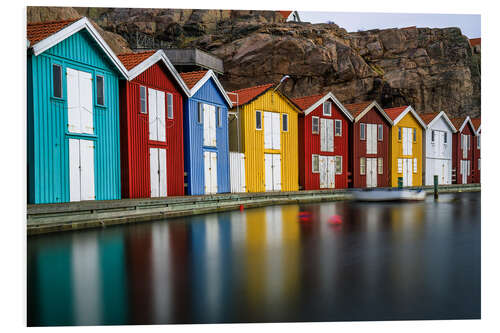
[{"x": 373, "y": 262}]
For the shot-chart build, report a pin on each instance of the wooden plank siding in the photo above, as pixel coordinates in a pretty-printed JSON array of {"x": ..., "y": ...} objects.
[{"x": 459, "y": 156}]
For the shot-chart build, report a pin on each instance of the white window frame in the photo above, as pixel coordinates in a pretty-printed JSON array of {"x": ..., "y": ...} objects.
[
  {"x": 170, "y": 106},
  {"x": 60, "y": 81},
  {"x": 145, "y": 90},
  {"x": 317, "y": 125},
  {"x": 259, "y": 113},
  {"x": 338, "y": 165},
  {"x": 400, "y": 165},
  {"x": 97, "y": 90},
  {"x": 200, "y": 113},
  {"x": 445, "y": 138},
  {"x": 362, "y": 165},
  {"x": 433, "y": 140},
  {"x": 285, "y": 116},
  {"x": 362, "y": 131},
  {"x": 380, "y": 132},
  {"x": 479, "y": 142},
  {"x": 415, "y": 168},
  {"x": 400, "y": 134},
  {"x": 218, "y": 109},
  {"x": 414, "y": 134},
  {"x": 380, "y": 165},
  {"x": 478, "y": 164},
  {"x": 338, "y": 121},
  {"x": 329, "y": 103},
  {"x": 313, "y": 156}
]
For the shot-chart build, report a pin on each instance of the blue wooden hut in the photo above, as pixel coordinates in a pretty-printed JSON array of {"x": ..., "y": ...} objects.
[
  {"x": 73, "y": 114},
  {"x": 206, "y": 145}
]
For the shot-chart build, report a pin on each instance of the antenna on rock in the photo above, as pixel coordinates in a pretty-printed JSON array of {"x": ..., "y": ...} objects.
[{"x": 283, "y": 79}]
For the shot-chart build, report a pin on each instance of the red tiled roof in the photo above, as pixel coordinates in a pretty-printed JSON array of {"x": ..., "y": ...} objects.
[
  {"x": 191, "y": 78},
  {"x": 393, "y": 113},
  {"x": 356, "y": 108},
  {"x": 248, "y": 94},
  {"x": 428, "y": 117},
  {"x": 130, "y": 60},
  {"x": 285, "y": 13},
  {"x": 458, "y": 122},
  {"x": 305, "y": 102},
  {"x": 36, "y": 32},
  {"x": 475, "y": 41},
  {"x": 476, "y": 122}
]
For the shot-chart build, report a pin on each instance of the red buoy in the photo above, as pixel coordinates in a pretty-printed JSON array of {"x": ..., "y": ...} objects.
[{"x": 241, "y": 208}]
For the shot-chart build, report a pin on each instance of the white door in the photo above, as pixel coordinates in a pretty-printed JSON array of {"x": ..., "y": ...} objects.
[
  {"x": 209, "y": 127},
  {"x": 237, "y": 172},
  {"x": 80, "y": 103},
  {"x": 268, "y": 166},
  {"x": 371, "y": 138},
  {"x": 276, "y": 130},
  {"x": 326, "y": 135},
  {"x": 276, "y": 172},
  {"x": 323, "y": 165},
  {"x": 407, "y": 172},
  {"x": 210, "y": 161},
  {"x": 162, "y": 163},
  {"x": 268, "y": 130},
  {"x": 371, "y": 172},
  {"x": 152, "y": 115},
  {"x": 154, "y": 172},
  {"x": 331, "y": 172},
  {"x": 160, "y": 114},
  {"x": 81, "y": 170}
]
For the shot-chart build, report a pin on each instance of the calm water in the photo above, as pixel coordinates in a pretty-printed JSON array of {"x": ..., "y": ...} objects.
[{"x": 384, "y": 262}]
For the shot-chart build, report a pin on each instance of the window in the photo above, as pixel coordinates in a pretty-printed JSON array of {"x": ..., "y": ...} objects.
[
  {"x": 432, "y": 136},
  {"x": 338, "y": 127},
  {"x": 327, "y": 108},
  {"x": 414, "y": 134},
  {"x": 315, "y": 163},
  {"x": 142, "y": 98},
  {"x": 479, "y": 142},
  {"x": 445, "y": 137},
  {"x": 468, "y": 142},
  {"x": 315, "y": 125},
  {"x": 285, "y": 122},
  {"x": 258, "y": 120},
  {"x": 200, "y": 112},
  {"x": 380, "y": 165},
  {"x": 219, "y": 117},
  {"x": 338, "y": 165},
  {"x": 57, "y": 81},
  {"x": 380, "y": 133},
  {"x": 362, "y": 131},
  {"x": 400, "y": 165},
  {"x": 100, "y": 89},
  {"x": 362, "y": 166},
  {"x": 479, "y": 164},
  {"x": 414, "y": 165},
  {"x": 399, "y": 133},
  {"x": 170, "y": 106}
]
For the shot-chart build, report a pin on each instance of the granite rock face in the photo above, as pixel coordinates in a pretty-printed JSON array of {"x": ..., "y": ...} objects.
[{"x": 431, "y": 69}]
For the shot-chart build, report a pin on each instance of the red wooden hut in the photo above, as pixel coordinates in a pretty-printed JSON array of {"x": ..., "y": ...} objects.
[
  {"x": 462, "y": 153},
  {"x": 476, "y": 149},
  {"x": 323, "y": 142},
  {"x": 369, "y": 143},
  {"x": 151, "y": 130}
]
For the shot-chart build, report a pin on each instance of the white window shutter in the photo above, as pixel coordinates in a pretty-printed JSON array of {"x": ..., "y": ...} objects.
[
  {"x": 213, "y": 172},
  {"x": 162, "y": 165},
  {"x": 160, "y": 114},
  {"x": 206, "y": 125},
  {"x": 414, "y": 165},
  {"x": 323, "y": 134},
  {"x": 276, "y": 130},
  {"x": 87, "y": 169},
  {"x": 73, "y": 94},
  {"x": 74, "y": 170},
  {"x": 331, "y": 135},
  {"x": 153, "y": 117},
  {"x": 170, "y": 106},
  {"x": 86, "y": 102},
  {"x": 268, "y": 130},
  {"x": 213, "y": 129},
  {"x": 154, "y": 176},
  {"x": 400, "y": 165}
]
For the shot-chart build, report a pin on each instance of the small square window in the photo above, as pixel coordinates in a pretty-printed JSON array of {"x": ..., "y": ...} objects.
[
  {"x": 219, "y": 117},
  {"x": 100, "y": 89},
  {"x": 200, "y": 112},
  {"x": 414, "y": 134},
  {"x": 285, "y": 122},
  {"x": 399, "y": 133},
  {"x": 170, "y": 106},
  {"x": 380, "y": 133},
  {"x": 362, "y": 166},
  {"x": 315, "y": 125},
  {"x": 143, "y": 99},
  {"x": 338, "y": 165},
  {"x": 432, "y": 136},
  {"x": 380, "y": 165},
  {"x": 258, "y": 120},
  {"x": 362, "y": 131},
  {"x": 57, "y": 81},
  {"x": 479, "y": 142},
  {"x": 327, "y": 108},
  {"x": 445, "y": 137},
  {"x": 338, "y": 127},
  {"x": 315, "y": 163}
]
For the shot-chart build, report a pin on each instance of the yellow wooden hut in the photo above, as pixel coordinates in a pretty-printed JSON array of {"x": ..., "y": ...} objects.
[
  {"x": 264, "y": 127},
  {"x": 406, "y": 150}
]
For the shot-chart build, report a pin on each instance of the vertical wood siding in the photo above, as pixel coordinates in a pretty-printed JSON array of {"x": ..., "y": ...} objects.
[
  {"x": 193, "y": 142},
  {"x": 477, "y": 156},
  {"x": 48, "y": 164},
  {"x": 135, "y": 137},
  {"x": 252, "y": 143},
  {"x": 310, "y": 144},
  {"x": 432, "y": 156},
  {"x": 358, "y": 147},
  {"x": 396, "y": 150},
  {"x": 458, "y": 154}
]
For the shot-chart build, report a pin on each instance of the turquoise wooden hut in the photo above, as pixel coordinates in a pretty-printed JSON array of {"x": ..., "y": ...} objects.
[{"x": 73, "y": 114}]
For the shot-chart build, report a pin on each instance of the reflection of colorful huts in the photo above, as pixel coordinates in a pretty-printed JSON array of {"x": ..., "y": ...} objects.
[
  {"x": 406, "y": 146},
  {"x": 476, "y": 149},
  {"x": 323, "y": 142},
  {"x": 206, "y": 146},
  {"x": 462, "y": 151},
  {"x": 73, "y": 113},
  {"x": 369, "y": 145},
  {"x": 438, "y": 147},
  {"x": 266, "y": 130},
  {"x": 151, "y": 126}
]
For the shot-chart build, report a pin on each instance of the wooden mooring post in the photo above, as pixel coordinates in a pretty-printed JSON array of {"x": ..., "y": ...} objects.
[{"x": 436, "y": 195}]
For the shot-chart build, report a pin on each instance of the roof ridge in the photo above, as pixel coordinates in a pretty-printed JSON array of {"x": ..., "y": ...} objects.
[
  {"x": 309, "y": 96},
  {"x": 192, "y": 72},
  {"x": 137, "y": 53},
  {"x": 54, "y": 21},
  {"x": 253, "y": 87}
]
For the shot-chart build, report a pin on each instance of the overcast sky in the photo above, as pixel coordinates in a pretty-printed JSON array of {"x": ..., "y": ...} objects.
[{"x": 469, "y": 24}]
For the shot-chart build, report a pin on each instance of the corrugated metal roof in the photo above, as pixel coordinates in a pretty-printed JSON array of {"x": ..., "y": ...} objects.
[
  {"x": 130, "y": 60},
  {"x": 247, "y": 95},
  {"x": 191, "y": 78},
  {"x": 36, "y": 32}
]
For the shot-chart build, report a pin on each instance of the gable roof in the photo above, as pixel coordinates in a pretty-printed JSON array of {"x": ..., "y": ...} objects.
[
  {"x": 460, "y": 123},
  {"x": 475, "y": 41},
  {"x": 309, "y": 103},
  {"x": 247, "y": 95},
  {"x": 138, "y": 62},
  {"x": 397, "y": 113},
  {"x": 358, "y": 110},
  {"x": 476, "y": 122},
  {"x": 42, "y": 36},
  {"x": 430, "y": 118},
  {"x": 285, "y": 13},
  {"x": 195, "y": 80}
]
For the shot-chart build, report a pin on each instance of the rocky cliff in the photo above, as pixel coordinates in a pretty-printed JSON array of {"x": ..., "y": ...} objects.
[{"x": 431, "y": 69}]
